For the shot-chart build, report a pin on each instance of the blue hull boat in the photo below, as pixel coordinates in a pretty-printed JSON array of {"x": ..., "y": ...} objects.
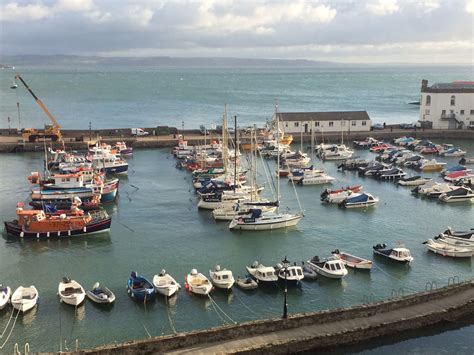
[{"x": 140, "y": 289}]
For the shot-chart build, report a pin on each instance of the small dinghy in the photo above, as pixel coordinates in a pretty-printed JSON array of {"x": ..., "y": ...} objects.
[
  {"x": 330, "y": 267},
  {"x": 448, "y": 250},
  {"x": 24, "y": 298},
  {"x": 165, "y": 284},
  {"x": 198, "y": 283},
  {"x": 71, "y": 292},
  {"x": 246, "y": 283},
  {"x": 139, "y": 288},
  {"x": 309, "y": 274},
  {"x": 221, "y": 278},
  {"x": 401, "y": 255},
  {"x": 100, "y": 294},
  {"x": 352, "y": 261},
  {"x": 413, "y": 181},
  {"x": 5, "y": 294}
]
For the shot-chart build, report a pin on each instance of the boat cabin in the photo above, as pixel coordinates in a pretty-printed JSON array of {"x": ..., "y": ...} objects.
[
  {"x": 265, "y": 273},
  {"x": 68, "y": 180},
  {"x": 334, "y": 265},
  {"x": 223, "y": 275},
  {"x": 401, "y": 253}
]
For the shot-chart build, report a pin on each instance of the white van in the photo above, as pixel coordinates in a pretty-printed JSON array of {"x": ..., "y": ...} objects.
[{"x": 139, "y": 132}]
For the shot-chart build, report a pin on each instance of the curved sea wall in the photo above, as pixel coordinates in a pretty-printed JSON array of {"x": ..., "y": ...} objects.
[{"x": 316, "y": 330}]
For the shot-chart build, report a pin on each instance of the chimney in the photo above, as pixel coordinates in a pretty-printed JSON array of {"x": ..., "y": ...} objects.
[{"x": 424, "y": 85}]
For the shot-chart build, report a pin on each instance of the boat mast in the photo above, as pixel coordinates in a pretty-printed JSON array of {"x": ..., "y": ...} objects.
[
  {"x": 253, "y": 139},
  {"x": 278, "y": 157},
  {"x": 224, "y": 141},
  {"x": 236, "y": 148}
]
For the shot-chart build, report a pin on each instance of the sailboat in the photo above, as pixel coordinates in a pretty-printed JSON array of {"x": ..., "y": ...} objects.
[{"x": 256, "y": 219}]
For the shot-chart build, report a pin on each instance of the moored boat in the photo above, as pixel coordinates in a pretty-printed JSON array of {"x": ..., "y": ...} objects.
[
  {"x": 221, "y": 278},
  {"x": 139, "y": 288},
  {"x": 197, "y": 283},
  {"x": 262, "y": 274},
  {"x": 359, "y": 201},
  {"x": 165, "y": 284},
  {"x": 337, "y": 196},
  {"x": 459, "y": 194},
  {"x": 71, "y": 292},
  {"x": 290, "y": 274},
  {"x": 448, "y": 250},
  {"x": 330, "y": 267},
  {"x": 24, "y": 298},
  {"x": 413, "y": 181},
  {"x": 246, "y": 283},
  {"x": 398, "y": 254},
  {"x": 5, "y": 294},
  {"x": 352, "y": 261},
  {"x": 100, "y": 294}
]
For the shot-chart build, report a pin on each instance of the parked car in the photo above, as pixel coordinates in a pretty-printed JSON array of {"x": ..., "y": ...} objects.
[{"x": 377, "y": 126}]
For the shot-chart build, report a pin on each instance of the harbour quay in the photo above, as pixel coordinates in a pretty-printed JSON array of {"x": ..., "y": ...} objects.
[{"x": 11, "y": 141}]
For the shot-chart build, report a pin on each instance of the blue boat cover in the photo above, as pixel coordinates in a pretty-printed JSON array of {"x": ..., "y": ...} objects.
[{"x": 359, "y": 198}]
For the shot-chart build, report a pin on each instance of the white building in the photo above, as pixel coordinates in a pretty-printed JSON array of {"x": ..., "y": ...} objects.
[
  {"x": 347, "y": 121},
  {"x": 447, "y": 105}
]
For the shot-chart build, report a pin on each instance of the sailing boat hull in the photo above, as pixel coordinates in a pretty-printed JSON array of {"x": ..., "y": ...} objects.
[{"x": 265, "y": 223}]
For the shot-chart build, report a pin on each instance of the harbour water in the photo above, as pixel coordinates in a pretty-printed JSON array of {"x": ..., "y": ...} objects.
[{"x": 156, "y": 223}]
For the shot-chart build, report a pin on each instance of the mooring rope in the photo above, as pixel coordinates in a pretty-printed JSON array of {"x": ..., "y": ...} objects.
[
  {"x": 11, "y": 330},
  {"x": 220, "y": 309},
  {"x": 246, "y": 307},
  {"x": 8, "y": 323},
  {"x": 169, "y": 316},
  {"x": 215, "y": 310}
]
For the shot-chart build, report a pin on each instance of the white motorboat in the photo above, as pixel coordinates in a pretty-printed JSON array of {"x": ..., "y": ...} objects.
[
  {"x": 246, "y": 283},
  {"x": 359, "y": 201},
  {"x": 100, "y": 294},
  {"x": 448, "y": 250},
  {"x": 455, "y": 242},
  {"x": 198, "y": 283},
  {"x": 453, "y": 152},
  {"x": 337, "y": 196},
  {"x": 257, "y": 220},
  {"x": 226, "y": 212},
  {"x": 24, "y": 298},
  {"x": 316, "y": 180},
  {"x": 165, "y": 284},
  {"x": 413, "y": 181},
  {"x": 330, "y": 267},
  {"x": 353, "y": 261},
  {"x": 71, "y": 292},
  {"x": 262, "y": 274},
  {"x": 5, "y": 294},
  {"x": 461, "y": 236},
  {"x": 459, "y": 194},
  {"x": 434, "y": 189},
  {"x": 221, "y": 278},
  {"x": 399, "y": 254},
  {"x": 294, "y": 274}
]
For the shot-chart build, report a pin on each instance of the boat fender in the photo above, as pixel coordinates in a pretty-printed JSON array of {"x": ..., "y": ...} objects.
[
  {"x": 22, "y": 234},
  {"x": 47, "y": 234},
  {"x": 69, "y": 232},
  {"x": 59, "y": 233},
  {"x": 84, "y": 229},
  {"x": 37, "y": 235}
]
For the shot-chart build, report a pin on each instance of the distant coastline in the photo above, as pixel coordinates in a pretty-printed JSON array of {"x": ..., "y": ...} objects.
[{"x": 7, "y": 61}]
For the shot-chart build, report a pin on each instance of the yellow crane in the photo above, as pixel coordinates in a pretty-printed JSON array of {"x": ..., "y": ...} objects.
[{"x": 52, "y": 132}]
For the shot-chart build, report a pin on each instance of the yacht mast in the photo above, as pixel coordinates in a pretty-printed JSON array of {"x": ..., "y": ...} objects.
[{"x": 278, "y": 157}]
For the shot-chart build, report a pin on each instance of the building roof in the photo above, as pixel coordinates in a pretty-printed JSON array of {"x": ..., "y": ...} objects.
[
  {"x": 454, "y": 87},
  {"x": 324, "y": 116}
]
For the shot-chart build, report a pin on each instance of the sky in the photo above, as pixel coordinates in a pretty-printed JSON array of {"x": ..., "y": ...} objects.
[{"x": 365, "y": 31}]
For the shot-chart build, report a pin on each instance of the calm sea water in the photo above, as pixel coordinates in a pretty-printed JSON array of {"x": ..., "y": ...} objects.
[
  {"x": 127, "y": 97},
  {"x": 156, "y": 223}
]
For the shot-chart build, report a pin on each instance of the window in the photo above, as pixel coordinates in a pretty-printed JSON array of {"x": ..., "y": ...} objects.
[
  {"x": 331, "y": 124},
  {"x": 297, "y": 124},
  {"x": 286, "y": 124},
  {"x": 316, "y": 124},
  {"x": 428, "y": 100},
  {"x": 472, "y": 112},
  {"x": 293, "y": 272},
  {"x": 453, "y": 100},
  {"x": 427, "y": 112},
  {"x": 451, "y": 112},
  {"x": 443, "y": 112},
  {"x": 333, "y": 268},
  {"x": 364, "y": 123},
  {"x": 353, "y": 123},
  {"x": 462, "y": 112}
]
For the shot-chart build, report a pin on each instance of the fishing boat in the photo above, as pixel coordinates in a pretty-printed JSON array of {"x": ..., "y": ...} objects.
[
  {"x": 291, "y": 274},
  {"x": 100, "y": 294},
  {"x": 246, "y": 283},
  {"x": 352, "y": 261},
  {"x": 36, "y": 224},
  {"x": 359, "y": 201},
  {"x": 413, "y": 181},
  {"x": 5, "y": 294},
  {"x": 264, "y": 275},
  {"x": 165, "y": 284},
  {"x": 337, "y": 196},
  {"x": 123, "y": 150},
  {"x": 458, "y": 194},
  {"x": 399, "y": 254},
  {"x": 221, "y": 278},
  {"x": 308, "y": 273},
  {"x": 329, "y": 267},
  {"x": 448, "y": 250},
  {"x": 71, "y": 292},
  {"x": 139, "y": 288},
  {"x": 24, "y": 298},
  {"x": 197, "y": 283}
]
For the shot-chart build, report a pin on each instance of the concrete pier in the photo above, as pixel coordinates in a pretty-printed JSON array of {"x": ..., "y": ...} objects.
[
  {"x": 314, "y": 331},
  {"x": 77, "y": 139}
]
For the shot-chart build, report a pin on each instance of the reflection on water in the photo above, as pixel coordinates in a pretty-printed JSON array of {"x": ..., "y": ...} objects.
[{"x": 27, "y": 318}]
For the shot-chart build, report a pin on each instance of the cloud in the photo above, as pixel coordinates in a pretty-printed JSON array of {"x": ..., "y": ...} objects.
[
  {"x": 75, "y": 5},
  {"x": 13, "y": 12},
  {"x": 470, "y": 6},
  {"x": 140, "y": 16},
  {"x": 383, "y": 7}
]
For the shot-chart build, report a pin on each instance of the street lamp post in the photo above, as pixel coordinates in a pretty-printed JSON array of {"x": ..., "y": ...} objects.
[
  {"x": 182, "y": 129},
  {"x": 285, "y": 304}
]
